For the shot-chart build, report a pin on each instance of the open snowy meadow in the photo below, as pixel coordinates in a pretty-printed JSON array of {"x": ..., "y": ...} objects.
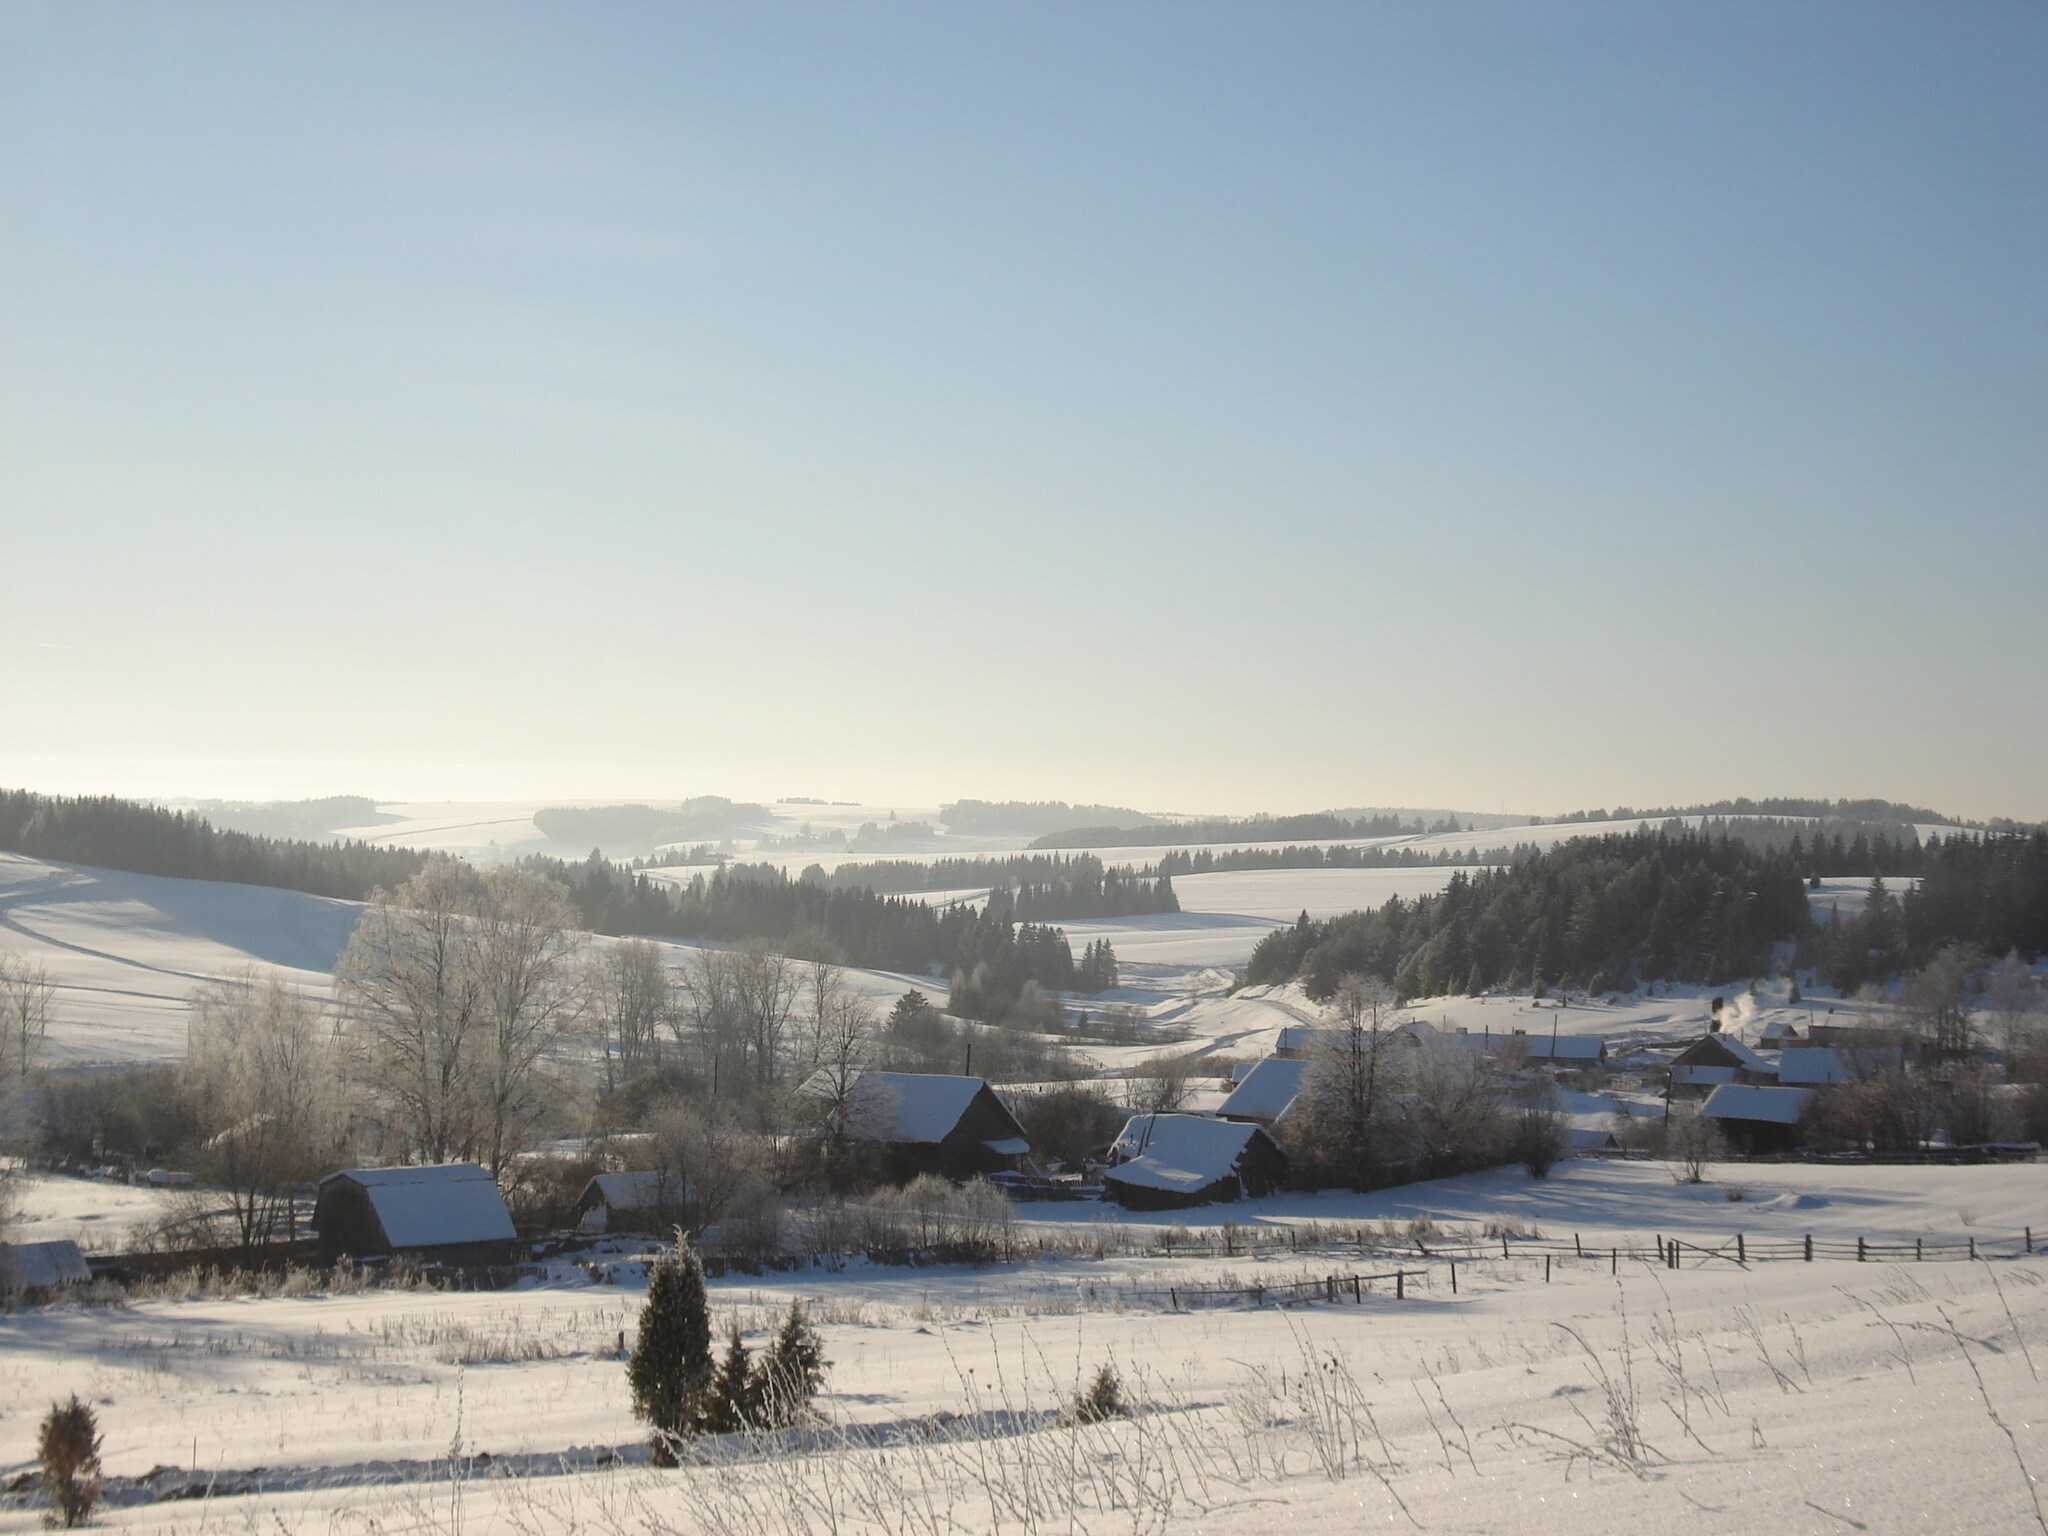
[{"x": 1553, "y": 1393}]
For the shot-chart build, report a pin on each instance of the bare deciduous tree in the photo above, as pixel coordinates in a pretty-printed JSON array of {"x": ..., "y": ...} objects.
[
  {"x": 26, "y": 995},
  {"x": 1344, "y": 1093},
  {"x": 630, "y": 995},
  {"x": 262, "y": 1072},
  {"x": 460, "y": 994},
  {"x": 705, "y": 1157}
]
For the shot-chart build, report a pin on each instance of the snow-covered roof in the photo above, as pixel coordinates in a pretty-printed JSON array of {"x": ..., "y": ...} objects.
[
  {"x": 1300, "y": 1037},
  {"x": 1815, "y": 1064},
  {"x": 1179, "y": 1152},
  {"x": 435, "y": 1205},
  {"x": 913, "y": 1107},
  {"x": 1556, "y": 1048},
  {"x": 1267, "y": 1089},
  {"x": 37, "y": 1266},
  {"x": 1740, "y": 1101},
  {"x": 1591, "y": 1138}
]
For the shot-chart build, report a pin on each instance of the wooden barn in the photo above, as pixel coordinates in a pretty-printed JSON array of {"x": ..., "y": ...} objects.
[
  {"x": 928, "y": 1122},
  {"x": 445, "y": 1213},
  {"x": 1266, "y": 1091},
  {"x": 1757, "y": 1119},
  {"x": 1169, "y": 1162},
  {"x": 647, "y": 1200}
]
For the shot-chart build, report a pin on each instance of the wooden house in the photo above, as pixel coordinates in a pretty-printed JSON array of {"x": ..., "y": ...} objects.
[
  {"x": 1169, "y": 1162},
  {"x": 929, "y": 1122}
]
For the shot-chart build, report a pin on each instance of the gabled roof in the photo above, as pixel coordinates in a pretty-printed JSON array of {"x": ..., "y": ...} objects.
[
  {"x": 1738, "y": 1101},
  {"x": 435, "y": 1205},
  {"x": 1180, "y": 1152},
  {"x": 909, "y": 1107},
  {"x": 1709, "y": 1049},
  {"x": 1815, "y": 1064},
  {"x": 38, "y": 1266},
  {"x": 1267, "y": 1089}
]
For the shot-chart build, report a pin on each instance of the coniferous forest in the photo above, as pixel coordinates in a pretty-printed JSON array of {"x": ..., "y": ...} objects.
[{"x": 1616, "y": 911}]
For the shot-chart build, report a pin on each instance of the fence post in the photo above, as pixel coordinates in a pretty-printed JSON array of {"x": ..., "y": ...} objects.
[
  {"x": 1917, "y": 1254},
  {"x": 1173, "y": 1294},
  {"x": 1400, "y": 1285},
  {"x": 1859, "y": 1250},
  {"x": 2030, "y": 1239},
  {"x": 1614, "y": 1262},
  {"x": 1546, "y": 1269},
  {"x": 1741, "y": 1250},
  {"x": 1809, "y": 1247},
  {"x": 1973, "y": 1247},
  {"x": 1581, "y": 1252},
  {"x": 1454, "y": 1277},
  {"x": 1503, "y": 1245}
]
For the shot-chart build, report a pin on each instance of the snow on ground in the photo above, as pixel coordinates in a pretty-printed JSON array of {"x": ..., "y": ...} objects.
[
  {"x": 100, "y": 1215},
  {"x": 127, "y": 951},
  {"x": 1779, "y": 1397}
]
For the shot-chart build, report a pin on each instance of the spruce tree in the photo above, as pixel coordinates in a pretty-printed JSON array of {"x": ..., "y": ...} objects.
[
  {"x": 733, "y": 1400},
  {"x": 671, "y": 1364},
  {"x": 793, "y": 1370}
]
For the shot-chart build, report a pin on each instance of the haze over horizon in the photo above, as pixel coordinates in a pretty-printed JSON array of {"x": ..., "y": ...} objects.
[{"x": 1213, "y": 408}]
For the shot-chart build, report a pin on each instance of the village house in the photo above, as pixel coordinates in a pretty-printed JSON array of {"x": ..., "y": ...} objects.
[
  {"x": 647, "y": 1200},
  {"x": 1266, "y": 1091},
  {"x": 1169, "y": 1162},
  {"x": 927, "y": 1122},
  {"x": 1757, "y": 1119},
  {"x": 1715, "y": 1059},
  {"x": 444, "y": 1213}
]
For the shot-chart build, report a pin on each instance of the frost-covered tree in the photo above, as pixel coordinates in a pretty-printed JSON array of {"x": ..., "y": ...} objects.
[
  {"x": 262, "y": 1073},
  {"x": 461, "y": 993}
]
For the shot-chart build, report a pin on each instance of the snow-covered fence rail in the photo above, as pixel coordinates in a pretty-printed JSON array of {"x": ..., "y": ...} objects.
[
  {"x": 1741, "y": 1249},
  {"x": 1285, "y": 1293}
]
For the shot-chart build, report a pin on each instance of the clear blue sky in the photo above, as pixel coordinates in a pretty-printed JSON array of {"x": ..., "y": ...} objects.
[{"x": 1203, "y": 407}]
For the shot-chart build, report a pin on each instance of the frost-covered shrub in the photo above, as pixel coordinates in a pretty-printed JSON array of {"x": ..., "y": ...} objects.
[{"x": 69, "y": 1450}]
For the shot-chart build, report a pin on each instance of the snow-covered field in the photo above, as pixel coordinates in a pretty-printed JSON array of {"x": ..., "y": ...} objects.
[{"x": 1717, "y": 1397}]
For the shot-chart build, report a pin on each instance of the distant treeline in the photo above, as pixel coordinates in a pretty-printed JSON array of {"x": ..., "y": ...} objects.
[
  {"x": 1202, "y": 861},
  {"x": 111, "y": 833},
  {"x": 1667, "y": 904},
  {"x": 1890, "y": 811},
  {"x": 1245, "y": 829},
  {"x": 622, "y": 829},
  {"x": 1042, "y": 887},
  {"x": 1027, "y": 818},
  {"x": 316, "y": 819},
  {"x": 759, "y": 903}
]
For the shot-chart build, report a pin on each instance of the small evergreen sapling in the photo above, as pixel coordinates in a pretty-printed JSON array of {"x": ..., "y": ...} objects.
[
  {"x": 733, "y": 1401},
  {"x": 69, "y": 1450},
  {"x": 1104, "y": 1399},
  {"x": 792, "y": 1371},
  {"x": 670, "y": 1370}
]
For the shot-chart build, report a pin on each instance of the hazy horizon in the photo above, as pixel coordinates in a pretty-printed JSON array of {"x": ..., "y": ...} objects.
[{"x": 1215, "y": 408}]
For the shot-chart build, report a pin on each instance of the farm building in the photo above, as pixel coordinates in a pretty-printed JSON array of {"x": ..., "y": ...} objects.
[
  {"x": 646, "y": 1200},
  {"x": 1817, "y": 1066},
  {"x": 928, "y": 1122},
  {"x": 41, "y": 1266},
  {"x": 1266, "y": 1091},
  {"x": 1554, "y": 1050},
  {"x": 446, "y": 1213},
  {"x": 1168, "y": 1162},
  {"x": 1714, "y": 1059},
  {"x": 1757, "y": 1119}
]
